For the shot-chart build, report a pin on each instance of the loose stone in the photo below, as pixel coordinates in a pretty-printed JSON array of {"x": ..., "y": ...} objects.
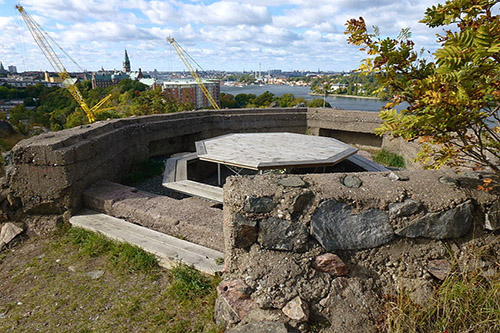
[
  {"x": 330, "y": 263},
  {"x": 352, "y": 181},
  {"x": 297, "y": 310}
]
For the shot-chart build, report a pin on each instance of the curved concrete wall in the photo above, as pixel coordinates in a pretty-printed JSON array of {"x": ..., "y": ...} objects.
[{"x": 48, "y": 172}]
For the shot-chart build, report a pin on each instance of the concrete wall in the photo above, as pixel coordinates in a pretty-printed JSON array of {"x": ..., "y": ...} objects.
[
  {"x": 353, "y": 127},
  {"x": 324, "y": 250},
  {"x": 49, "y": 172}
]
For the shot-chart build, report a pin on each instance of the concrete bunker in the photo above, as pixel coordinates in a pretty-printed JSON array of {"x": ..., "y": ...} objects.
[{"x": 274, "y": 229}]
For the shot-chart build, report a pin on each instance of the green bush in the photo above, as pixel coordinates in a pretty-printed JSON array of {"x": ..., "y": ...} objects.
[{"x": 389, "y": 159}]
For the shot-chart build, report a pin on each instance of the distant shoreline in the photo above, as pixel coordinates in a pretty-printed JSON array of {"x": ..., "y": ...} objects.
[{"x": 347, "y": 96}]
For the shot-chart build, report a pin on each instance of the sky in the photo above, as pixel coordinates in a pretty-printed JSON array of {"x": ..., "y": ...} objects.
[{"x": 219, "y": 34}]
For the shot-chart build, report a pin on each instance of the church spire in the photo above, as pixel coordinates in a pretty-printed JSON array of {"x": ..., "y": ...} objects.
[{"x": 126, "y": 63}]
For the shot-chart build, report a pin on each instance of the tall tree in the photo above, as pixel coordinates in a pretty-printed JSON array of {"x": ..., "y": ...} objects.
[{"x": 454, "y": 98}]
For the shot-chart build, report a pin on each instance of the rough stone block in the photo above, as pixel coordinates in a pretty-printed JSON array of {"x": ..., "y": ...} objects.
[
  {"x": 330, "y": 263},
  {"x": 8, "y": 232},
  {"x": 233, "y": 302},
  {"x": 440, "y": 268},
  {"x": 452, "y": 223},
  {"x": 278, "y": 234},
  {"x": 245, "y": 231},
  {"x": 405, "y": 208},
  {"x": 336, "y": 228},
  {"x": 259, "y": 205},
  {"x": 292, "y": 181},
  {"x": 297, "y": 310},
  {"x": 352, "y": 181},
  {"x": 301, "y": 202}
]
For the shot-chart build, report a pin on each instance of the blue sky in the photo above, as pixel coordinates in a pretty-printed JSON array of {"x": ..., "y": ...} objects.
[{"x": 219, "y": 34}]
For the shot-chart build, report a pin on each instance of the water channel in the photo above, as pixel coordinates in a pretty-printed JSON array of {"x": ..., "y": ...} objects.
[{"x": 344, "y": 103}]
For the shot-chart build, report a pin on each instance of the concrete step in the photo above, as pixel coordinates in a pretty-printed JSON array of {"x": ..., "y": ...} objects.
[
  {"x": 201, "y": 190},
  {"x": 168, "y": 249},
  {"x": 187, "y": 219}
]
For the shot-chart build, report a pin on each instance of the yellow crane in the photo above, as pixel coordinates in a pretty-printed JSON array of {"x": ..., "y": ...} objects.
[
  {"x": 185, "y": 59},
  {"x": 39, "y": 35}
]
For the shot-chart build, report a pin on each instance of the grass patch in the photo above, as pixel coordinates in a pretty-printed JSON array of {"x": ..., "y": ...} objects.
[
  {"x": 389, "y": 159},
  {"x": 143, "y": 170},
  {"x": 465, "y": 302},
  {"x": 46, "y": 286},
  {"x": 122, "y": 255},
  {"x": 188, "y": 283}
]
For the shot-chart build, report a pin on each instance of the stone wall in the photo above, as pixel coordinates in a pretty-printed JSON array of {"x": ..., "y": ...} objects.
[
  {"x": 48, "y": 173},
  {"x": 323, "y": 250}
]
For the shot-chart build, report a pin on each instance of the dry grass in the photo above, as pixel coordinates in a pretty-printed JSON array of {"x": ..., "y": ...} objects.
[
  {"x": 466, "y": 301},
  {"x": 46, "y": 287}
]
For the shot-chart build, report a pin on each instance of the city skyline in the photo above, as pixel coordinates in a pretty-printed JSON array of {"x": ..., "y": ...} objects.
[{"x": 220, "y": 35}]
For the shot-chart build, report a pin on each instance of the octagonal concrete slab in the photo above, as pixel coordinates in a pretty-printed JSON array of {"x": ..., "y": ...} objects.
[{"x": 260, "y": 151}]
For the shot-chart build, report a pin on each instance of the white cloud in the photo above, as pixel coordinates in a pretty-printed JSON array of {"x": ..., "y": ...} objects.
[
  {"x": 228, "y": 33},
  {"x": 227, "y": 13}
]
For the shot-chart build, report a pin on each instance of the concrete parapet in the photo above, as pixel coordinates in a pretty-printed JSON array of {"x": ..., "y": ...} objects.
[{"x": 50, "y": 171}]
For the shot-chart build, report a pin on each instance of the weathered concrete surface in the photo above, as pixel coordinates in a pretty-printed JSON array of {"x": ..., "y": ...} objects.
[
  {"x": 50, "y": 171},
  {"x": 345, "y": 120},
  {"x": 186, "y": 219},
  {"x": 277, "y": 273}
]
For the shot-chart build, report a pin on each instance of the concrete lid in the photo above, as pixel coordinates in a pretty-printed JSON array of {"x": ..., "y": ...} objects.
[{"x": 259, "y": 151}]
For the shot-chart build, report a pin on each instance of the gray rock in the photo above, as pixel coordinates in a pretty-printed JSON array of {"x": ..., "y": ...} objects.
[
  {"x": 292, "y": 181},
  {"x": 94, "y": 275},
  {"x": 405, "y": 208},
  {"x": 452, "y": 223},
  {"x": 259, "y": 205},
  {"x": 8, "y": 232},
  {"x": 492, "y": 218},
  {"x": 245, "y": 231},
  {"x": 352, "y": 181},
  {"x": 297, "y": 310},
  {"x": 262, "y": 327},
  {"x": 301, "y": 202},
  {"x": 278, "y": 234},
  {"x": 449, "y": 181},
  {"x": 336, "y": 228},
  {"x": 397, "y": 176}
]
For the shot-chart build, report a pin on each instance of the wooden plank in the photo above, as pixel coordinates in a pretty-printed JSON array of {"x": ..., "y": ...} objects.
[
  {"x": 201, "y": 190},
  {"x": 169, "y": 250},
  {"x": 170, "y": 168}
]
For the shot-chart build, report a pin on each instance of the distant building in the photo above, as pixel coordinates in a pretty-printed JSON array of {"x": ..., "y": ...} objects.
[
  {"x": 26, "y": 83},
  {"x": 126, "y": 63},
  {"x": 103, "y": 79},
  {"x": 187, "y": 91},
  {"x": 12, "y": 69},
  {"x": 2, "y": 69}
]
